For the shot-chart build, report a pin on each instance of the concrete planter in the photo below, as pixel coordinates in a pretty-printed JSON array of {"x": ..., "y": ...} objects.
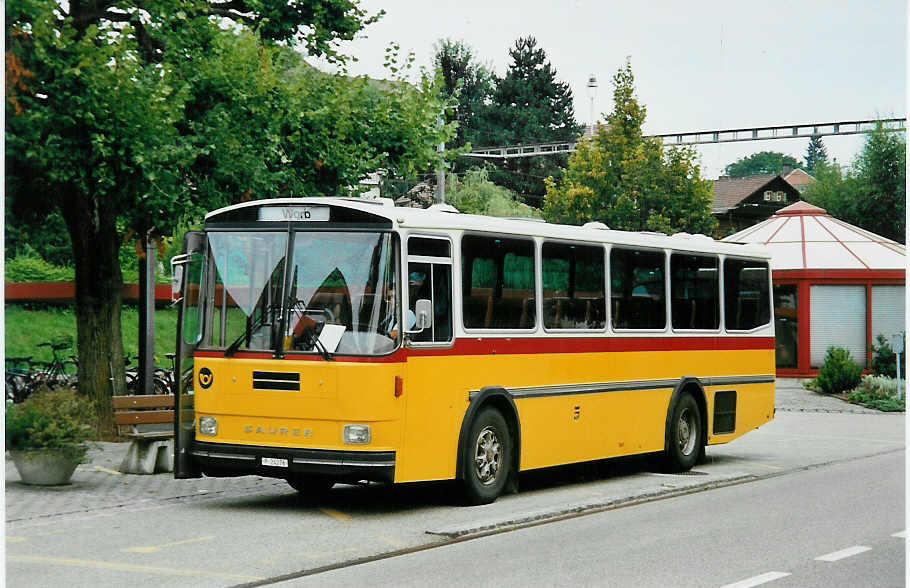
[{"x": 46, "y": 467}]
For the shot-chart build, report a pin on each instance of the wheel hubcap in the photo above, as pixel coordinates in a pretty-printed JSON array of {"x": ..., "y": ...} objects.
[
  {"x": 686, "y": 432},
  {"x": 487, "y": 456}
]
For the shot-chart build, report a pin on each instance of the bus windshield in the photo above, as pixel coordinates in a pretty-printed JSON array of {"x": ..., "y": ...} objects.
[{"x": 344, "y": 279}]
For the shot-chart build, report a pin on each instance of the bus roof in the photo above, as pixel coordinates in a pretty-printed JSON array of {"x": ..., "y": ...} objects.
[{"x": 446, "y": 218}]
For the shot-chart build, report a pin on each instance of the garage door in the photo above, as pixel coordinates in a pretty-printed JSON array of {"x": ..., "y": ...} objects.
[
  {"x": 837, "y": 316},
  {"x": 887, "y": 310}
]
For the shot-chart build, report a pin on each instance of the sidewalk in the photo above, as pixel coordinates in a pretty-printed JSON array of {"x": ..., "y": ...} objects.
[
  {"x": 790, "y": 396},
  {"x": 98, "y": 485}
]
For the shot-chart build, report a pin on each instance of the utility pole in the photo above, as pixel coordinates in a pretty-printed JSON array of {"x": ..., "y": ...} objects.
[
  {"x": 147, "y": 315},
  {"x": 440, "y": 170}
]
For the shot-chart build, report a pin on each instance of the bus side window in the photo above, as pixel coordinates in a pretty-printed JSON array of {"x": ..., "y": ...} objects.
[
  {"x": 498, "y": 283},
  {"x": 695, "y": 291},
  {"x": 746, "y": 297},
  {"x": 637, "y": 289}
]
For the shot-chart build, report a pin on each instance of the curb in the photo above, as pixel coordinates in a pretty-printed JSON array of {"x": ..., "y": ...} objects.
[
  {"x": 585, "y": 507},
  {"x": 581, "y": 508}
]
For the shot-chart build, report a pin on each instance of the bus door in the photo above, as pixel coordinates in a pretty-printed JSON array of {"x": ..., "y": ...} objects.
[
  {"x": 187, "y": 270},
  {"x": 429, "y": 276}
]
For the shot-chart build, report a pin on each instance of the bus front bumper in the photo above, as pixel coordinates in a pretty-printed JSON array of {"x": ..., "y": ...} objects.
[{"x": 223, "y": 459}]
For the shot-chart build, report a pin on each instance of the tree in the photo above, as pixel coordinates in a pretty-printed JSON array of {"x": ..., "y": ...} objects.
[
  {"x": 628, "y": 181},
  {"x": 530, "y": 106},
  {"x": 815, "y": 153},
  {"x": 471, "y": 83},
  {"x": 882, "y": 171},
  {"x": 123, "y": 117},
  {"x": 871, "y": 194},
  {"x": 764, "y": 162}
]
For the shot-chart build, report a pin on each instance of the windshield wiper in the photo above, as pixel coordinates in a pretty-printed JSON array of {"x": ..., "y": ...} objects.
[
  {"x": 232, "y": 349},
  {"x": 312, "y": 339}
]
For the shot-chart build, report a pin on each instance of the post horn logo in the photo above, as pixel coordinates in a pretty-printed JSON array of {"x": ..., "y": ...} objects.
[{"x": 206, "y": 377}]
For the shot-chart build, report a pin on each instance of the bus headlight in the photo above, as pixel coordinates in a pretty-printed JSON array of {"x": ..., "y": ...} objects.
[
  {"x": 208, "y": 425},
  {"x": 356, "y": 434}
]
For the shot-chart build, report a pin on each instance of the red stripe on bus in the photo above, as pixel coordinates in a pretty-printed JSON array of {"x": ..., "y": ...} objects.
[{"x": 531, "y": 345}]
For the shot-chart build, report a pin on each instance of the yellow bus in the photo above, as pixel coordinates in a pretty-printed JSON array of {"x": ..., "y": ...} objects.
[{"x": 342, "y": 339}]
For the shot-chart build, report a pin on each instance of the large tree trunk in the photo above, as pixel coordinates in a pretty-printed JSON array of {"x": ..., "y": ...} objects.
[{"x": 99, "y": 292}]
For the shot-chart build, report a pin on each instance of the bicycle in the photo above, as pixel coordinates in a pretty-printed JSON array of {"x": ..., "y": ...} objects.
[
  {"x": 56, "y": 372},
  {"x": 161, "y": 379},
  {"x": 18, "y": 379}
]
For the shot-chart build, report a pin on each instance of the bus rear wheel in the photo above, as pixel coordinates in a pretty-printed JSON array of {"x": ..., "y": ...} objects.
[
  {"x": 684, "y": 435},
  {"x": 488, "y": 458}
]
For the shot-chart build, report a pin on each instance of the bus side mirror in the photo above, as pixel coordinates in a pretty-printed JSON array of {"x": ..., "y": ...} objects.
[
  {"x": 176, "y": 281},
  {"x": 424, "y": 311}
]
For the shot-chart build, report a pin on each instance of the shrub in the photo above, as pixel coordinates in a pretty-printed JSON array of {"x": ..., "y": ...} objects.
[
  {"x": 51, "y": 419},
  {"x": 877, "y": 392},
  {"x": 884, "y": 360},
  {"x": 31, "y": 268},
  {"x": 839, "y": 372},
  {"x": 476, "y": 194}
]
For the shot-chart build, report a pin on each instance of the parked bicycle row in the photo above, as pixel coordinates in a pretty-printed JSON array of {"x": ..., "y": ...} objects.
[{"x": 25, "y": 375}]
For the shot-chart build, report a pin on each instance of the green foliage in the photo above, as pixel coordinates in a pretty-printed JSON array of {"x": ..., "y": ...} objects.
[
  {"x": 45, "y": 237},
  {"x": 130, "y": 116},
  {"x": 764, "y": 162},
  {"x": 627, "y": 181},
  {"x": 530, "y": 105},
  {"x": 839, "y": 372},
  {"x": 26, "y": 327},
  {"x": 884, "y": 360},
  {"x": 476, "y": 194},
  {"x": 527, "y": 105},
  {"x": 815, "y": 153},
  {"x": 29, "y": 267},
  {"x": 871, "y": 194},
  {"x": 471, "y": 84},
  {"x": 51, "y": 419},
  {"x": 881, "y": 171},
  {"x": 879, "y": 393}
]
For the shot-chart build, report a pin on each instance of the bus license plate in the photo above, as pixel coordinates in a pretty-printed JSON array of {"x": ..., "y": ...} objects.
[{"x": 275, "y": 462}]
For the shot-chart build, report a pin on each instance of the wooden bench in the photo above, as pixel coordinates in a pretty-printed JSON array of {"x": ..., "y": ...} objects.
[{"x": 148, "y": 421}]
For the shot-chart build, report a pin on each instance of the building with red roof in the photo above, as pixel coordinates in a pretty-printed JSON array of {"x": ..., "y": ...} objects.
[{"x": 834, "y": 284}]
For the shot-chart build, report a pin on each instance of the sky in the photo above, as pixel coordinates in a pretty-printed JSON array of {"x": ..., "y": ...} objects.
[{"x": 698, "y": 66}]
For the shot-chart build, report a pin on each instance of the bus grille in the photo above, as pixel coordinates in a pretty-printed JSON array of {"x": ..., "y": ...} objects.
[{"x": 276, "y": 381}]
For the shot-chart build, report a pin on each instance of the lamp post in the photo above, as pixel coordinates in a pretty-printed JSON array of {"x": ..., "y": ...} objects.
[{"x": 592, "y": 93}]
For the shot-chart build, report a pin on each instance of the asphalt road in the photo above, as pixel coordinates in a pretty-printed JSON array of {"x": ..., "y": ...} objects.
[
  {"x": 830, "y": 526},
  {"x": 259, "y": 531}
]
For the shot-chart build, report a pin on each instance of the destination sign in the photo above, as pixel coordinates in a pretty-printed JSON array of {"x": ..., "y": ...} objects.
[{"x": 294, "y": 213}]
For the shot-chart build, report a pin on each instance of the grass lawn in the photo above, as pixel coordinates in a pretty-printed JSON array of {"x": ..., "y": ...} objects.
[{"x": 26, "y": 327}]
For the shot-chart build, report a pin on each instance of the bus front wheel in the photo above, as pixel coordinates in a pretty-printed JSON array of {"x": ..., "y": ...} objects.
[
  {"x": 684, "y": 435},
  {"x": 488, "y": 458},
  {"x": 311, "y": 486}
]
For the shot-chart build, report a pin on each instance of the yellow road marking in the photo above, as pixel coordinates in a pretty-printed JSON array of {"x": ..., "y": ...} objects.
[
  {"x": 14, "y": 539},
  {"x": 108, "y": 471},
  {"x": 768, "y": 466},
  {"x": 308, "y": 554},
  {"x": 340, "y": 516},
  {"x": 111, "y": 565},
  {"x": 323, "y": 554},
  {"x": 153, "y": 548},
  {"x": 392, "y": 541}
]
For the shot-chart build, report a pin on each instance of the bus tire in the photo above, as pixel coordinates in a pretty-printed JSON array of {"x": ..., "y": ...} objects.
[
  {"x": 311, "y": 486},
  {"x": 684, "y": 435},
  {"x": 488, "y": 457}
]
